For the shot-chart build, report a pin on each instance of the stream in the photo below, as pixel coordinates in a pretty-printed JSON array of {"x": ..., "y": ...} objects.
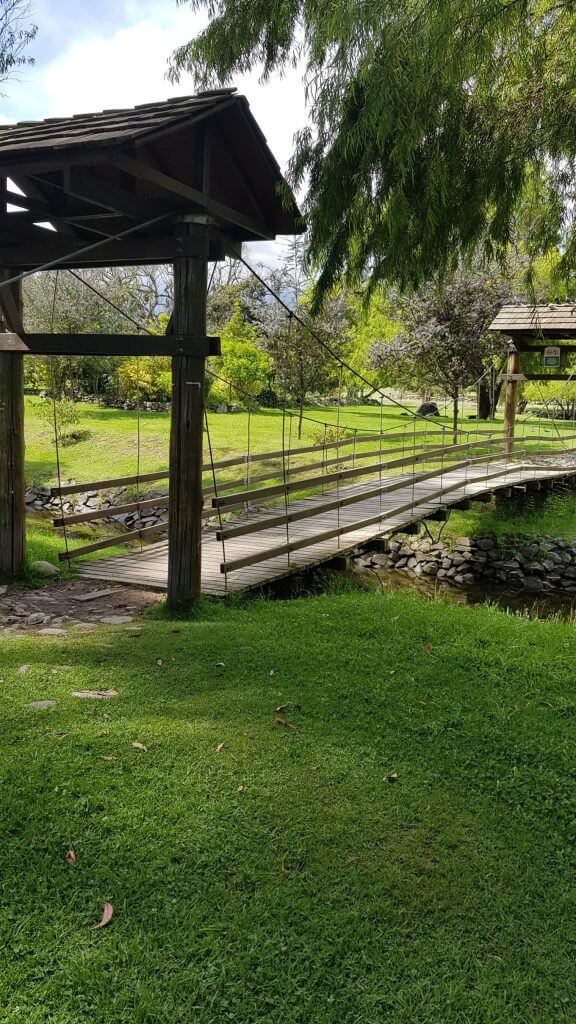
[{"x": 552, "y": 604}]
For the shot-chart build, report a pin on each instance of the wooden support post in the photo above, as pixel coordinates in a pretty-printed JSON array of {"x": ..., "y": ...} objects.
[
  {"x": 187, "y": 426},
  {"x": 12, "y": 485},
  {"x": 513, "y": 368}
]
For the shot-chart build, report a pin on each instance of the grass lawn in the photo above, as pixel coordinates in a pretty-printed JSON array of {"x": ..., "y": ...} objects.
[
  {"x": 555, "y": 517},
  {"x": 110, "y": 447},
  {"x": 289, "y": 876}
]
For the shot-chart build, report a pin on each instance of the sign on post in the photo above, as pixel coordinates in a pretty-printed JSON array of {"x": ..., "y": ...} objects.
[{"x": 551, "y": 356}]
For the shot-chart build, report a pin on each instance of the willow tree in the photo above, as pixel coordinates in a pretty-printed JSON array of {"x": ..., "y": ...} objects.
[{"x": 433, "y": 127}]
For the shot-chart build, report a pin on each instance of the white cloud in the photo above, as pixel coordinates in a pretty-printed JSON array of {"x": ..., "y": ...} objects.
[{"x": 128, "y": 66}]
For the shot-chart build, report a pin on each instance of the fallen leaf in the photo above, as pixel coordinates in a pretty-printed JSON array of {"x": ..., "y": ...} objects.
[
  {"x": 220, "y": 664},
  {"x": 95, "y": 694},
  {"x": 427, "y": 650},
  {"x": 219, "y": 748},
  {"x": 106, "y": 916},
  {"x": 23, "y": 669},
  {"x": 393, "y": 777},
  {"x": 241, "y": 789},
  {"x": 104, "y": 733},
  {"x": 140, "y": 746},
  {"x": 71, "y": 858},
  {"x": 395, "y": 618},
  {"x": 159, "y": 662},
  {"x": 108, "y": 757},
  {"x": 285, "y": 724},
  {"x": 271, "y": 673},
  {"x": 61, "y": 735},
  {"x": 352, "y": 860},
  {"x": 283, "y": 707}
]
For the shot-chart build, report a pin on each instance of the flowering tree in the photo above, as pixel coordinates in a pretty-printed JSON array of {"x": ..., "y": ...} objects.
[{"x": 444, "y": 344}]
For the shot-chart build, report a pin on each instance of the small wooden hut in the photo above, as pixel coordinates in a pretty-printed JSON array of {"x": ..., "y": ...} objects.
[
  {"x": 545, "y": 329},
  {"x": 185, "y": 182}
]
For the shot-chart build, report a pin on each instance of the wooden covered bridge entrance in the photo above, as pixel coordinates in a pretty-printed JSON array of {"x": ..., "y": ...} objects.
[{"x": 181, "y": 182}]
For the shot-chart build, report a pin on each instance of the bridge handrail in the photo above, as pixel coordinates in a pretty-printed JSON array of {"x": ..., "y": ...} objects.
[{"x": 283, "y": 549}]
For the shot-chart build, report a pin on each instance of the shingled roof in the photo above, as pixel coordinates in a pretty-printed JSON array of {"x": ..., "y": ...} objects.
[
  {"x": 108, "y": 127},
  {"x": 100, "y": 174},
  {"x": 554, "y": 320}
]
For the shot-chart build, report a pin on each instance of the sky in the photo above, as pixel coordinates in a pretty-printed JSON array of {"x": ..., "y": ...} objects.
[{"x": 95, "y": 54}]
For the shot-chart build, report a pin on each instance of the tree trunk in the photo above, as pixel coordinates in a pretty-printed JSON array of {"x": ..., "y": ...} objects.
[
  {"x": 300, "y": 416},
  {"x": 455, "y": 394},
  {"x": 483, "y": 400}
]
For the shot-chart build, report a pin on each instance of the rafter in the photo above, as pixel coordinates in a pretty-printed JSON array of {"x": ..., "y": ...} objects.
[{"x": 145, "y": 172}]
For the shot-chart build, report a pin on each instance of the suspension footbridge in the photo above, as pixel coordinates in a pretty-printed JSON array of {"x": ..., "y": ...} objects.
[{"x": 326, "y": 501}]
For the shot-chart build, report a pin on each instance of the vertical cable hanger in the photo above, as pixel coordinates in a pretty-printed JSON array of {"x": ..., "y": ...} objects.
[
  {"x": 215, "y": 488},
  {"x": 55, "y": 420},
  {"x": 338, "y": 450},
  {"x": 284, "y": 467}
]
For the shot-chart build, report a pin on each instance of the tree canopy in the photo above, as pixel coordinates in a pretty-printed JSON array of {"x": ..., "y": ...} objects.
[
  {"x": 435, "y": 128},
  {"x": 15, "y": 35}
]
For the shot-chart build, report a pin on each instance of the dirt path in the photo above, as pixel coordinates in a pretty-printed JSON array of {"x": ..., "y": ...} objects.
[{"x": 74, "y": 604}]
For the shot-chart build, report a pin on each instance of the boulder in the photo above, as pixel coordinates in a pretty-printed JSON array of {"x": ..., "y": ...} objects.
[
  {"x": 427, "y": 409},
  {"x": 45, "y": 568}
]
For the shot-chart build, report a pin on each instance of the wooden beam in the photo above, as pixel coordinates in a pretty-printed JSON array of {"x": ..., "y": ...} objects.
[
  {"x": 12, "y": 485},
  {"x": 512, "y": 369},
  {"x": 108, "y": 344},
  {"x": 212, "y": 206},
  {"x": 126, "y": 252},
  {"x": 187, "y": 429}
]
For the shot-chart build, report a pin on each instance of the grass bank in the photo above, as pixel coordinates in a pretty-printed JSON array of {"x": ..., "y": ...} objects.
[
  {"x": 554, "y": 517},
  {"x": 405, "y": 853}
]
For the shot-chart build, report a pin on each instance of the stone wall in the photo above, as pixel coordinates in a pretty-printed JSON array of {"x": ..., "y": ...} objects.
[
  {"x": 39, "y": 499},
  {"x": 546, "y": 564}
]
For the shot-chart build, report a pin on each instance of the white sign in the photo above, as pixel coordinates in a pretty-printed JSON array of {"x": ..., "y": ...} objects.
[{"x": 551, "y": 356}]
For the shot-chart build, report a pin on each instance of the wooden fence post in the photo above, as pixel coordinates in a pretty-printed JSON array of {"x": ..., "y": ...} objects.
[
  {"x": 187, "y": 425},
  {"x": 512, "y": 369},
  {"x": 12, "y": 485}
]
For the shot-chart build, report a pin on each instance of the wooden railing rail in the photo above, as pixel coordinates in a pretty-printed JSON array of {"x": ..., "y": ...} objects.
[{"x": 288, "y": 548}]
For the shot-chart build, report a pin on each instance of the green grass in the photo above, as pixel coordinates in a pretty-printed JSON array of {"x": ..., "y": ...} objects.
[
  {"x": 44, "y": 544},
  {"x": 110, "y": 446},
  {"x": 554, "y": 517},
  {"x": 285, "y": 878}
]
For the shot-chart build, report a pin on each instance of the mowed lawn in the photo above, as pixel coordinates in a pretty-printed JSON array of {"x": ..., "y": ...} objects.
[
  {"x": 405, "y": 854},
  {"x": 110, "y": 445}
]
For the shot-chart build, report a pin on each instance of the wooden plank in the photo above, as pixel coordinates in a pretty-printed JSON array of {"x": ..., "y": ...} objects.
[
  {"x": 132, "y": 250},
  {"x": 111, "y": 511},
  {"x": 115, "y": 344},
  {"x": 110, "y": 542}
]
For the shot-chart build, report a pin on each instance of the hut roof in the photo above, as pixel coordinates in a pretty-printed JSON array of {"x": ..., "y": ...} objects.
[
  {"x": 96, "y": 175},
  {"x": 553, "y": 320}
]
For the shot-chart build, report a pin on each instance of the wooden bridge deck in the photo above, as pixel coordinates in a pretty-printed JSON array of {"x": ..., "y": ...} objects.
[{"x": 149, "y": 566}]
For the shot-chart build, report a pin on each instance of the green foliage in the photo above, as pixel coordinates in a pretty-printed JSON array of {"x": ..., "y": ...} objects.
[
  {"x": 15, "y": 37},
  {"x": 242, "y": 363},
  {"x": 431, "y": 124},
  {"x": 557, "y": 395},
  {"x": 371, "y": 324},
  {"x": 61, "y": 416},
  {"x": 443, "y": 343},
  {"x": 146, "y": 378}
]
